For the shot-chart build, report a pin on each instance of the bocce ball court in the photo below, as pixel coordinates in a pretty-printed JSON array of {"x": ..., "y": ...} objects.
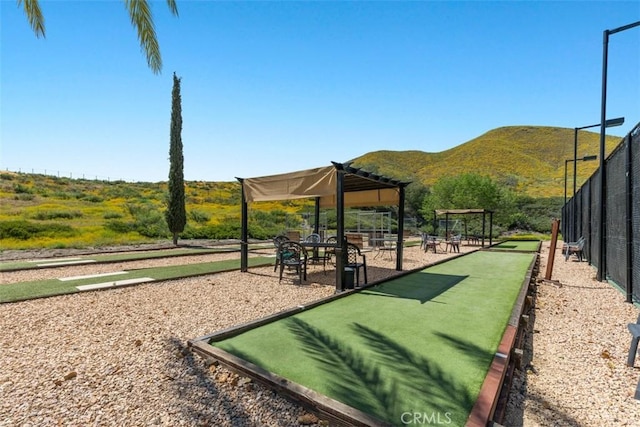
[{"x": 419, "y": 345}]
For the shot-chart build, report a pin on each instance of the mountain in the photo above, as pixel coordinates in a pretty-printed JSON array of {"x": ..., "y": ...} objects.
[{"x": 530, "y": 159}]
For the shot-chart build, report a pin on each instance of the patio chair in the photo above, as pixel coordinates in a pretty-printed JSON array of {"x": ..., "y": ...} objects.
[
  {"x": 453, "y": 244},
  {"x": 276, "y": 242},
  {"x": 330, "y": 253},
  {"x": 634, "y": 329},
  {"x": 314, "y": 253},
  {"x": 293, "y": 255},
  {"x": 430, "y": 242},
  {"x": 575, "y": 248},
  {"x": 357, "y": 261}
]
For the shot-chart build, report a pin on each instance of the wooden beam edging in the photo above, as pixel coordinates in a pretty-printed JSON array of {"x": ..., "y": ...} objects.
[
  {"x": 334, "y": 410},
  {"x": 484, "y": 408}
]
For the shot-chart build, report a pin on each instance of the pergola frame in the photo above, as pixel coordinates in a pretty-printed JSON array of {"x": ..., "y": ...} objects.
[
  {"x": 447, "y": 212},
  {"x": 339, "y": 185}
]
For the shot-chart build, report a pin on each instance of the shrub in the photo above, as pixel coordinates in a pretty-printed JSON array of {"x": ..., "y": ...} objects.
[
  {"x": 22, "y": 189},
  {"x": 119, "y": 226},
  {"x": 199, "y": 216},
  {"x": 48, "y": 215},
  {"x": 24, "y": 230},
  {"x": 93, "y": 198},
  {"x": 25, "y": 197},
  {"x": 112, "y": 215}
]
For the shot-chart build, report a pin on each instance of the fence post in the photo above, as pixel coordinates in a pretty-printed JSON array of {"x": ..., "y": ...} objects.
[{"x": 552, "y": 249}]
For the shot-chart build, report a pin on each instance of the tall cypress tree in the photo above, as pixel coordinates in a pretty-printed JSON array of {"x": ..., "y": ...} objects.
[{"x": 176, "y": 214}]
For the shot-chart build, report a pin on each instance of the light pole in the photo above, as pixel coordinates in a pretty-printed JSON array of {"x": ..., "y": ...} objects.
[
  {"x": 583, "y": 159},
  {"x": 601, "y": 176},
  {"x": 609, "y": 123}
]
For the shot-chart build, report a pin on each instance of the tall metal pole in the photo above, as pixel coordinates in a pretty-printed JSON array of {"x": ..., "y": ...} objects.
[
  {"x": 602, "y": 258},
  {"x": 565, "y": 181},
  {"x": 575, "y": 161},
  {"x": 601, "y": 274}
]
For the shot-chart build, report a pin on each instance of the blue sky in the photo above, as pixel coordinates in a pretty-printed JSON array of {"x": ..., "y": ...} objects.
[{"x": 272, "y": 87}]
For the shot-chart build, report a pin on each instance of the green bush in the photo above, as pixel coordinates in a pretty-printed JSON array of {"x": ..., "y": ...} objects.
[
  {"x": 48, "y": 215},
  {"x": 25, "y": 197},
  {"x": 199, "y": 216},
  {"x": 118, "y": 226},
  {"x": 112, "y": 215},
  {"x": 22, "y": 189},
  {"x": 93, "y": 198},
  {"x": 24, "y": 230}
]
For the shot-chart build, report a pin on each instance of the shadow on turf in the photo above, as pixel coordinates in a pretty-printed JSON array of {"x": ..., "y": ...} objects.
[
  {"x": 421, "y": 286},
  {"x": 372, "y": 384}
]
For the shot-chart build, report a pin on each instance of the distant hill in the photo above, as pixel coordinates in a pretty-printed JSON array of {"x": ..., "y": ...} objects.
[{"x": 531, "y": 159}]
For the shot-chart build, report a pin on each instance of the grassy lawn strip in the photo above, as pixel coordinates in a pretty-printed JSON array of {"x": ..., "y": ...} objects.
[
  {"x": 421, "y": 343},
  {"x": 27, "y": 290}
]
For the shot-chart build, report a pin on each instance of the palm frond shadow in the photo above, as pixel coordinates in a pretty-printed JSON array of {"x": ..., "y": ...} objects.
[
  {"x": 466, "y": 348},
  {"x": 422, "y": 375},
  {"x": 350, "y": 372},
  {"x": 372, "y": 383}
]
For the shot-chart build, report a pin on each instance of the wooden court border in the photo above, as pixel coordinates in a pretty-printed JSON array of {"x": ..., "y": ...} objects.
[{"x": 338, "y": 413}]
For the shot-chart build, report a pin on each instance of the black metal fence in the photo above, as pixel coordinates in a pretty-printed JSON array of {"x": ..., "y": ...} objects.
[{"x": 620, "y": 229}]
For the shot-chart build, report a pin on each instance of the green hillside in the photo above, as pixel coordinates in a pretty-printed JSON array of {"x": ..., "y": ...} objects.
[
  {"x": 531, "y": 159},
  {"x": 45, "y": 211}
]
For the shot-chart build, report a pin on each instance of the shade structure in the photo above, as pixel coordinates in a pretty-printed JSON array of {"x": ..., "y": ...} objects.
[
  {"x": 339, "y": 185},
  {"x": 361, "y": 188},
  {"x": 483, "y": 212}
]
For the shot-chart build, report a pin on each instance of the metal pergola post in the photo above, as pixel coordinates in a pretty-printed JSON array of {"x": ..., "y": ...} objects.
[{"x": 244, "y": 231}]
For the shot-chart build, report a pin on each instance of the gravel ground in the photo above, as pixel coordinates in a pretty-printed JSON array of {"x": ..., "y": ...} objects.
[
  {"x": 119, "y": 357},
  {"x": 576, "y": 353}
]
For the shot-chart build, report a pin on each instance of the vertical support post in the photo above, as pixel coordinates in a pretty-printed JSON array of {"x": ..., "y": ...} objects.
[
  {"x": 490, "y": 228},
  {"x": 602, "y": 257},
  {"x": 316, "y": 226},
  {"x": 552, "y": 249},
  {"x": 244, "y": 231},
  {"x": 629, "y": 214},
  {"x": 435, "y": 224},
  {"x": 589, "y": 229},
  {"x": 484, "y": 220},
  {"x": 340, "y": 244},
  {"x": 399, "y": 244},
  {"x": 575, "y": 160}
]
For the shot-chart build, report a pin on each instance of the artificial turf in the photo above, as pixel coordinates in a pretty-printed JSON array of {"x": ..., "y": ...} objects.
[
  {"x": 421, "y": 343},
  {"x": 519, "y": 245},
  {"x": 42, "y": 288}
]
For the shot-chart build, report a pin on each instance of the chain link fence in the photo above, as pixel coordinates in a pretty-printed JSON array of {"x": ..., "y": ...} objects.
[{"x": 619, "y": 233}]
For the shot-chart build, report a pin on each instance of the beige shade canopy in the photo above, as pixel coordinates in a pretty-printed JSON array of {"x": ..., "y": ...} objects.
[
  {"x": 361, "y": 188},
  {"x": 339, "y": 186}
]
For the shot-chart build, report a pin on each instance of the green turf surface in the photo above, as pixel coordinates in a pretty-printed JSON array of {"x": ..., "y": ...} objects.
[
  {"x": 421, "y": 343},
  {"x": 128, "y": 256},
  {"x": 41, "y": 288},
  {"x": 519, "y": 245}
]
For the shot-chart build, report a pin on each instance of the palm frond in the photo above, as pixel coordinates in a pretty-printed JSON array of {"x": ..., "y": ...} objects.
[
  {"x": 34, "y": 15},
  {"x": 173, "y": 7},
  {"x": 141, "y": 19}
]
